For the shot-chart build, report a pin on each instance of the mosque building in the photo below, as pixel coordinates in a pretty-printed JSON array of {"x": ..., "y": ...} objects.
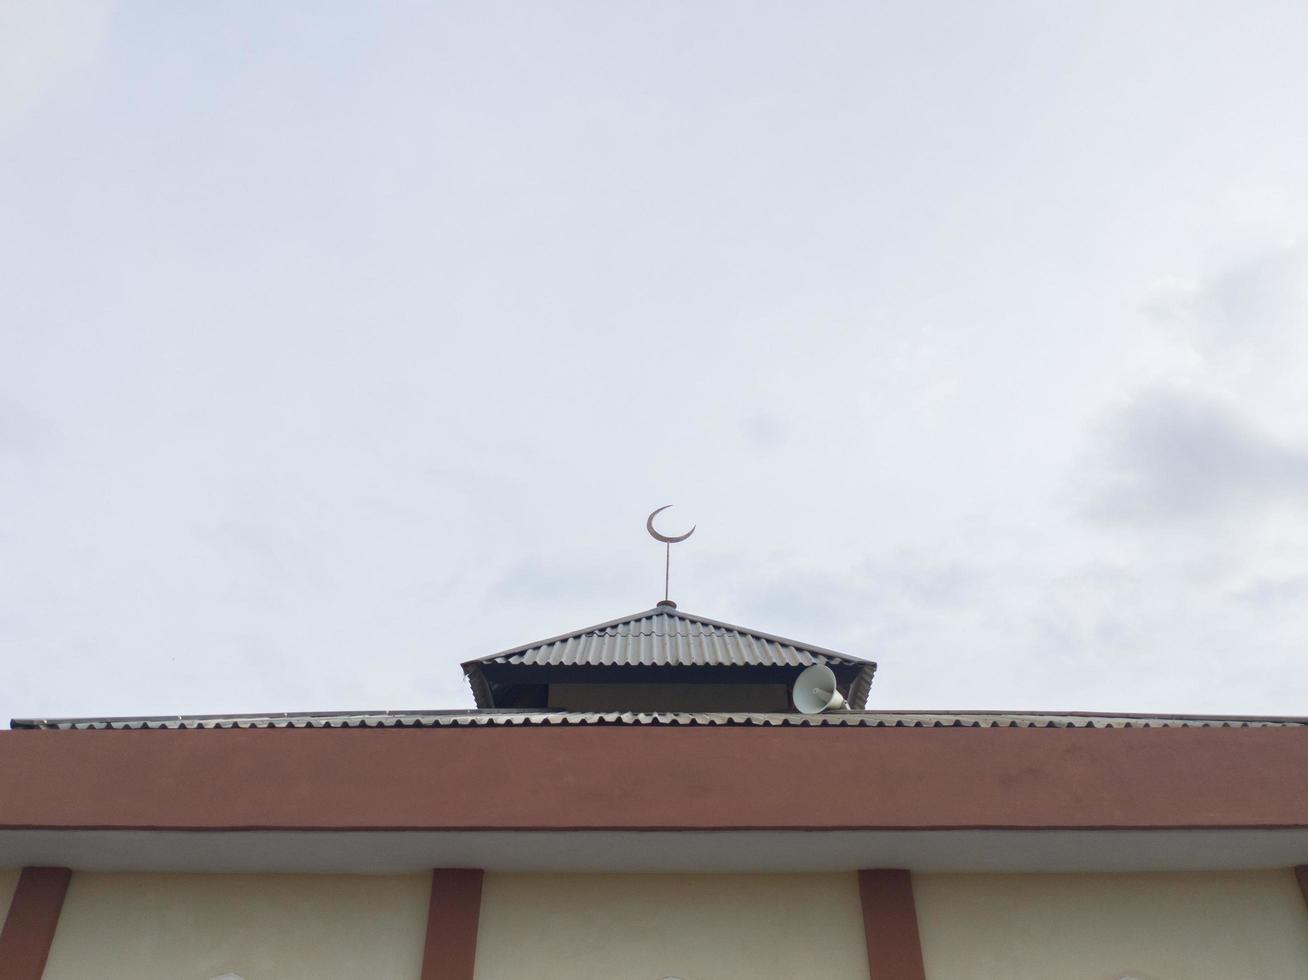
[{"x": 658, "y": 797}]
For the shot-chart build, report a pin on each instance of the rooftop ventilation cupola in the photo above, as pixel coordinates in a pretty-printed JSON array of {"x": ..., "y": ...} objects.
[{"x": 660, "y": 660}]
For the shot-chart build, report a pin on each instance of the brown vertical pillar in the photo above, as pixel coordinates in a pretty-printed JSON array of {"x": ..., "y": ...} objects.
[
  {"x": 1301, "y": 875},
  {"x": 894, "y": 951},
  {"x": 30, "y": 926},
  {"x": 451, "y": 950}
]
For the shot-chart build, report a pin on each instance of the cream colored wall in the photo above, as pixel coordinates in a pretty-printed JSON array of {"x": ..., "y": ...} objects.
[
  {"x": 644, "y": 927},
  {"x": 266, "y": 927},
  {"x": 1217, "y": 926},
  {"x": 8, "y": 882},
  {"x": 1198, "y": 926}
]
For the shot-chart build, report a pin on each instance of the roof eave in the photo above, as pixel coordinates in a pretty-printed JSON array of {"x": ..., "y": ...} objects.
[
  {"x": 862, "y": 687},
  {"x": 481, "y": 691}
]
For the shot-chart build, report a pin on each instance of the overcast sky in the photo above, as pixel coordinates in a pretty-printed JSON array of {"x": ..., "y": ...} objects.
[{"x": 340, "y": 343}]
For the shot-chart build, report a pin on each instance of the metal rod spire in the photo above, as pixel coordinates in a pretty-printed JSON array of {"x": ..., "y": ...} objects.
[{"x": 669, "y": 540}]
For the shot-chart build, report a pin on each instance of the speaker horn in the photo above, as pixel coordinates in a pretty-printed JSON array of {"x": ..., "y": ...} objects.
[{"x": 815, "y": 690}]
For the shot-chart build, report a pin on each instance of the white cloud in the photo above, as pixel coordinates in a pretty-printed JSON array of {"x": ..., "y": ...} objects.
[
  {"x": 1248, "y": 316},
  {"x": 1183, "y": 456}
]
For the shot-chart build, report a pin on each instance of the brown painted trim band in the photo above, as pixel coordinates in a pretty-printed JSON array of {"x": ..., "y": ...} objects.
[
  {"x": 30, "y": 926},
  {"x": 451, "y": 949},
  {"x": 656, "y": 779},
  {"x": 894, "y": 949}
]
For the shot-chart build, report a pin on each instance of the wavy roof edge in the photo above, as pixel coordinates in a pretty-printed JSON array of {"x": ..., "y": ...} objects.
[{"x": 529, "y": 717}]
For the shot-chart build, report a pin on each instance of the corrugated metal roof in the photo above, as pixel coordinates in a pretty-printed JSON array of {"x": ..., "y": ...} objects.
[
  {"x": 534, "y": 718},
  {"x": 663, "y": 637},
  {"x": 667, "y": 637}
]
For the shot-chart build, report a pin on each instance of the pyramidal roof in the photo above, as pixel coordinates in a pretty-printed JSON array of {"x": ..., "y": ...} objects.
[{"x": 667, "y": 637}]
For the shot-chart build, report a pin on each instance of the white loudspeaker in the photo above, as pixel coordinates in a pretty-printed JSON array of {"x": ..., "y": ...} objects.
[{"x": 815, "y": 690}]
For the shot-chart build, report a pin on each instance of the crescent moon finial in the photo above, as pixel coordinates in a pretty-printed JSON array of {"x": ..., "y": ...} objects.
[
  {"x": 665, "y": 538},
  {"x": 668, "y": 540}
]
